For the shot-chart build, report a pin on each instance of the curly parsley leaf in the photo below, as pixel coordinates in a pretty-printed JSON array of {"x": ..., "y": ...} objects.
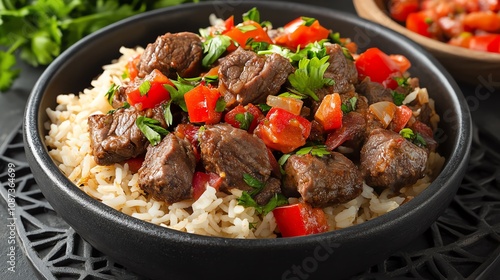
[
  {"x": 213, "y": 48},
  {"x": 398, "y": 98},
  {"x": 415, "y": 138},
  {"x": 309, "y": 76},
  {"x": 7, "y": 73},
  {"x": 151, "y": 128}
]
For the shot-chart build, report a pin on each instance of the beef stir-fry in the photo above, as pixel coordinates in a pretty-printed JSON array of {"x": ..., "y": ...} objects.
[{"x": 278, "y": 113}]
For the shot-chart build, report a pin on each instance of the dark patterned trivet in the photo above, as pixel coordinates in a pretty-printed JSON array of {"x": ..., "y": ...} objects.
[{"x": 464, "y": 243}]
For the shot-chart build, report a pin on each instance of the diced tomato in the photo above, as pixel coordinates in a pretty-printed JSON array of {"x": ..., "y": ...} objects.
[
  {"x": 233, "y": 117},
  {"x": 400, "y": 9},
  {"x": 132, "y": 67},
  {"x": 229, "y": 23},
  {"x": 488, "y": 43},
  {"x": 201, "y": 180},
  {"x": 149, "y": 92},
  {"x": 377, "y": 65},
  {"x": 298, "y": 34},
  {"x": 401, "y": 117},
  {"x": 248, "y": 30},
  {"x": 300, "y": 219},
  {"x": 283, "y": 131},
  {"x": 419, "y": 22},
  {"x": 135, "y": 163},
  {"x": 401, "y": 60},
  {"x": 487, "y": 21},
  {"x": 201, "y": 103},
  {"x": 292, "y": 105},
  {"x": 462, "y": 40},
  {"x": 329, "y": 113},
  {"x": 189, "y": 132}
]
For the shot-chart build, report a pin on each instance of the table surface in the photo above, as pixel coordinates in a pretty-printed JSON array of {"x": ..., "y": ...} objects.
[{"x": 483, "y": 102}]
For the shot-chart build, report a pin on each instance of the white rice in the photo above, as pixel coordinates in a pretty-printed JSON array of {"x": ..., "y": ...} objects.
[{"x": 214, "y": 213}]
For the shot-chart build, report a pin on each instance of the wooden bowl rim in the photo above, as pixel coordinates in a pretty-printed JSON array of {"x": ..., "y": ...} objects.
[{"x": 373, "y": 10}]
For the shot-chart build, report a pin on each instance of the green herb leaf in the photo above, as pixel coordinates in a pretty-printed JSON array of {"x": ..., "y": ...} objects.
[
  {"x": 220, "y": 105},
  {"x": 253, "y": 182},
  {"x": 252, "y": 14},
  {"x": 398, "y": 98},
  {"x": 110, "y": 94},
  {"x": 244, "y": 120},
  {"x": 213, "y": 48},
  {"x": 350, "y": 106},
  {"x": 7, "y": 73},
  {"x": 246, "y": 28},
  {"x": 309, "y": 76},
  {"x": 308, "y": 21},
  {"x": 167, "y": 113},
  {"x": 277, "y": 200},
  {"x": 264, "y": 108},
  {"x": 145, "y": 87},
  {"x": 151, "y": 128},
  {"x": 318, "y": 150},
  {"x": 415, "y": 138}
]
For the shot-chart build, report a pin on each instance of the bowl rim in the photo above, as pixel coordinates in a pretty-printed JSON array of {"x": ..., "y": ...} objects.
[
  {"x": 33, "y": 138},
  {"x": 370, "y": 9}
]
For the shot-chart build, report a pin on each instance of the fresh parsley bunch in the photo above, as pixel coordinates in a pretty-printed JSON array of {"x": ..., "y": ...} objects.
[{"x": 39, "y": 30}]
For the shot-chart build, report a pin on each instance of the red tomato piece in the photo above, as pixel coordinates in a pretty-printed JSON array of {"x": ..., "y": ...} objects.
[
  {"x": 132, "y": 67},
  {"x": 400, "y": 9},
  {"x": 201, "y": 180},
  {"x": 283, "y": 131},
  {"x": 401, "y": 117},
  {"x": 329, "y": 113},
  {"x": 419, "y": 22},
  {"x": 487, "y": 21},
  {"x": 245, "y": 31},
  {"x": 401, "y": 60},
  {"x": 297, "y": 34},
  {"x": 201, "y": 104},
  {"x": 379, "y": 67},
  {"x": 232, "y": 116},
  {"x": 487, "y": 43},
  {"x": 300, "y": 219},
  {"x": 134, "y": 163},
  {"x": 149, "y": 92}
]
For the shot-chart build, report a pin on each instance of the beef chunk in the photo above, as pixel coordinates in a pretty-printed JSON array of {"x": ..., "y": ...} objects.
[
  {"x": 231, "y": 152},
  {"x": 245, "y": 77},
  {"x": 373, "y": 91},
  {"x": 341, "y": 70},
  {"x": 115, "y": 137},
  {"x": 168, "y": 168},
  {"x": 173, "y": 54},
  {"x": 350, "y": 134},
  {"x": 120, "y": 97},
  {"x": 390, "y": 161},
  {"x": 272, "y": 187},
  {"x": 322, "y": 181}
]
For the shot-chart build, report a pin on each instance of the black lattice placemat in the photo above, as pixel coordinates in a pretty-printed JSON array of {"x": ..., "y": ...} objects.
[{"x": 463, "y": 243}]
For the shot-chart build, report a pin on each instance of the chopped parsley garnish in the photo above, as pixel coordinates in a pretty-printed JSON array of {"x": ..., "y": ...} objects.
[
  {"x": 110, "y": 94},
  {"x": 167, "y": 113},
  {"x": 264, "y": 108},
  {"x": 220, "y": 105},
  {"x": 308, "y": 21},
  {"x": 144, "y": 87},
  {"x": 398, "y": 98},
  {"x": 246, "y": 28},
  {"x": 213, "y": 48},
  {"x": 402, "y": 81},
  {"x": 244, "y": 119},
  {"x": 125, "y": 105},
  {"x": 350, "y": 105},
  {"x": 151, "y": 128},
  {"x": 415, "y": 138},
  {"x": 252, "y": 14},
  {"x": 247, "y": 199},
  {"x": 310, "y": 76},
  {"x": 318, "y": 150}
]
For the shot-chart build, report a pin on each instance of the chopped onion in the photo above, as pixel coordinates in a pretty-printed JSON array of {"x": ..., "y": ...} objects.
[
  {"x": 410, "y": 97},
  {"x": 292, "y": 105},
  {"x": 384, "y": 111}
]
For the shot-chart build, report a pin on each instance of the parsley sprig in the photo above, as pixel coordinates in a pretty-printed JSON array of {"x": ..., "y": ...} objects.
[
  {"x": 414, "y": 137},
  {"x": 309, "y": 77},
  {"x": 151, "y": 128},
  {"x": 246, "y": 199}
]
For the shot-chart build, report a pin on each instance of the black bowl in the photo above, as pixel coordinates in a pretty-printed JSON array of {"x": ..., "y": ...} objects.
[{"x": 158, "y": 252}]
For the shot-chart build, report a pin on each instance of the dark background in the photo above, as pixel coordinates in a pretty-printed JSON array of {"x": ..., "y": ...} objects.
[{"x": 483, "y": 102}]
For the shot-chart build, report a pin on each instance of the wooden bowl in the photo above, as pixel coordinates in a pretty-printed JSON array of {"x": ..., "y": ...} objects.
[{"x": 465, "y": 65}]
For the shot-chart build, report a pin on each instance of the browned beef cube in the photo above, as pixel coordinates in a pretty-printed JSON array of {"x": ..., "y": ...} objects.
[
  {"x": 168, "y": 168},
  {"x": 322, "y": 181}
]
